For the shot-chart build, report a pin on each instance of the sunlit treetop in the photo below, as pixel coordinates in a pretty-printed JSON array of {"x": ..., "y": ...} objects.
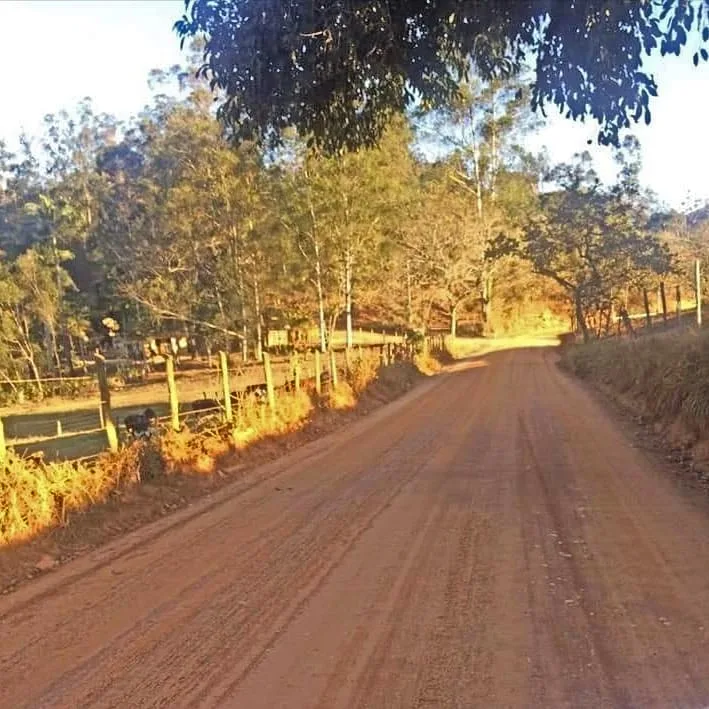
[{"x": 336, "y": 70}]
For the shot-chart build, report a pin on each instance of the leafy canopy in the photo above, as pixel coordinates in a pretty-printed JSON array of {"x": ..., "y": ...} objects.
[{"x": 338, "y": 69}]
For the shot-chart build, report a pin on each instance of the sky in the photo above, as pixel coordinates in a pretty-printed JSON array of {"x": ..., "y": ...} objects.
[{"x": 56, "y": 52}]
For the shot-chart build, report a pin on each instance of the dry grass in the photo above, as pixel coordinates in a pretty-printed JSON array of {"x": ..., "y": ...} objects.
[
  {"x": 427, "y": 364},
  {"x": 341, "y": 397},
  {"x": 363, "y": 371},
  {"x": 185, "y": 451},
  {"x": 462, "y": 347},
  {"x": 37, "y": 495},
  {"x": 667, "y": 376}
]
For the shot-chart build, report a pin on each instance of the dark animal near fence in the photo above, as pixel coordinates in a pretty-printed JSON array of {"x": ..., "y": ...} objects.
[
  {"x": 205, "y": 405},
  {"x": 255, "y": 391},
  {"x": 140, "y": 425}
]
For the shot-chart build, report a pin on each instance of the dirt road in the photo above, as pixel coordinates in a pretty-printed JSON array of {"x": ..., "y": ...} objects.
[{"x": 490, "y": 540}]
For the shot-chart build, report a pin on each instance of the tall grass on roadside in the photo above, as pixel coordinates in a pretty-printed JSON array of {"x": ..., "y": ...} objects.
[
  {"x": 36, "y": 495},
  {"x": 667, "y": 375},
  {"x": 427, "y": 364},
  {"x": 363, "y": 370}
]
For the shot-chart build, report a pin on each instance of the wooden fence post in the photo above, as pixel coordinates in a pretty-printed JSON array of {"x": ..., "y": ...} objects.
[
  {"x": 269, "y": 380},
  {"x": 678, "y": 297},
  {"x": 318, "y": 373},
  {"x": 296, "y": 373},
  {"x": 646, "y": 302},
  {"x": 226, "y": 386},
  {"x": 112, "y": 435},
  {"x": 333, "y": 368},
  {"x": 172, "y": 391},
  {"x": 3, "y": 446},
  {"x": 103, "y": 390},
  {"x": 663, "y": 301},
  {"x": 698, "y": 286},
  {"x": 107, "y": 422}
]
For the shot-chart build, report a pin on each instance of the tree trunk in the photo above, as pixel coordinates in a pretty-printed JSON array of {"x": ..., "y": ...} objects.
[
  {"x": 257, "y": 316},
  {"x": 609, "y": 318},
  {"x": 698, "y": 289},
  {"x": 242, "y": 306},
  {"x": 321, "y": 298},
  {"x": 239, "y": 278},
  {"x": 349, "y": 339},
  {"x": 409, "y": 303},
  {"x": 646, "y": 303},
  {"x": 478, "y": 179},
  {"x": 581, "y": 317},
  {"x": 454, "y": 320},
  {"x": 220, "y": 305},
  {"x": 35, "y": 374},
  {"x": 333, "y": 324},
  {"x": 55, "y": 350},
  {"x": 487, "y": 303},
  {"x": 493, "y": 153}
]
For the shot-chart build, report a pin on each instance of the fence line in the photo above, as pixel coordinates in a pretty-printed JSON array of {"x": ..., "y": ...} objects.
[
  {"x": 44, "y": 380},
  {"x": 98, "y": 418}
]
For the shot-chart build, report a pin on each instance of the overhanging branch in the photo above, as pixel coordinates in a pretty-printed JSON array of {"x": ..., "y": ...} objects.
[{"x": 166, "y": 313}]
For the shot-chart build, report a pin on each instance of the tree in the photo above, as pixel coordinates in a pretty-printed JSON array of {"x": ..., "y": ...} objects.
[
  {"x": 481, "y": 127},
  {"x": 337, "y": 71},
  {"x": 31, "y": 288},
  {"x": 446, "y": 243},
  {"x": 341, "y": 211},
  {"x": 591, "y": 241}
]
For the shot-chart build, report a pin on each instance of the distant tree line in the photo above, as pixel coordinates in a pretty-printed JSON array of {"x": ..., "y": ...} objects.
[{"x": 162, "y": 222}]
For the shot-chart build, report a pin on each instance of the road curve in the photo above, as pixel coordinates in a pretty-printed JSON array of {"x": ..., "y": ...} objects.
[{"x": 490, "y": 540}]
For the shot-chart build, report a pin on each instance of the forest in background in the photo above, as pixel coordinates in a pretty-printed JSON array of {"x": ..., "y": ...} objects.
[{"x": 160, "y": 225}]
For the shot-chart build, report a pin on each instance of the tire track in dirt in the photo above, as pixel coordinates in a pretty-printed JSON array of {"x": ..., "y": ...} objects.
[
  {"x": 492, "y": 541},
  {"x": 153, "y": 565},
  {"x": 273, "y": 569},
  {"x": 620, "y": 521}
]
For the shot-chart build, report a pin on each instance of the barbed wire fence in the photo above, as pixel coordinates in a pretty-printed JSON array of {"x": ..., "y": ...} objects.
[{"x": 84, "y": 426}]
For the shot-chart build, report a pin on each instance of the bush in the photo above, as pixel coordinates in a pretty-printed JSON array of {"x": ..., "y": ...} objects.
[
  {"x": 363, "y": 370},
  {"x": 341, "y": 397},
  {"x": 427, "y": 364}
]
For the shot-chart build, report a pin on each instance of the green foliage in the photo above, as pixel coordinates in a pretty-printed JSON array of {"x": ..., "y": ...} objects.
[
  {"x": 592, "y": 241},
  {"x": 338, "y": 72},
  {"x": 167, "y": 227}
]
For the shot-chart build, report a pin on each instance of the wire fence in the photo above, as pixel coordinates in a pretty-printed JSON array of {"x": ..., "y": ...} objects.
[{"x": 86, "y": 425}]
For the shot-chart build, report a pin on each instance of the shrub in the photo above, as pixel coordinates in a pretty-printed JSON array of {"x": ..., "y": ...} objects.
[{"x": 363, "y": 370}]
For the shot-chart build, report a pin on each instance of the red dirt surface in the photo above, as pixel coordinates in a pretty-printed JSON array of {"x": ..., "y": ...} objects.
[{"x": 492, "y": 539}]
